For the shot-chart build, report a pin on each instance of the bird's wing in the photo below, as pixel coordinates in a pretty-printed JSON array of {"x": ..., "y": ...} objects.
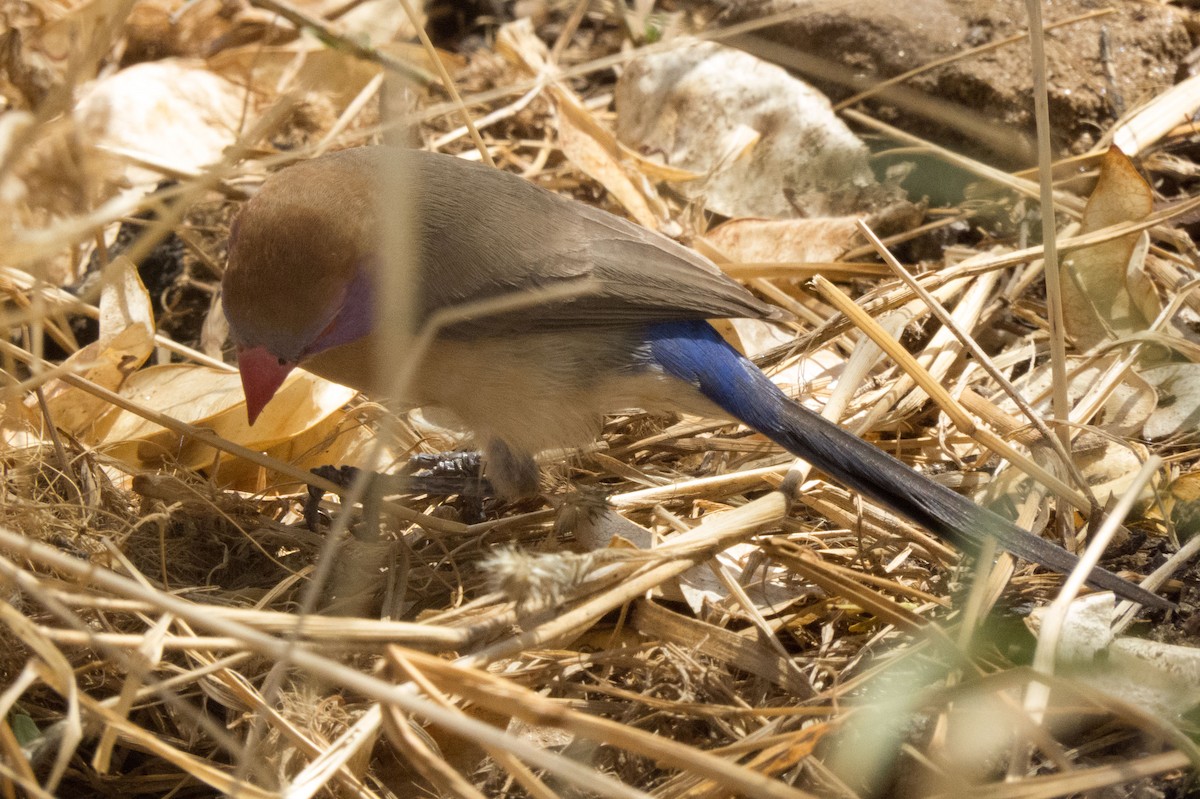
[{"x": 505, "y": 236}]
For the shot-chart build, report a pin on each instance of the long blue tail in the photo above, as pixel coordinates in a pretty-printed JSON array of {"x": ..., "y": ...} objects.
[{"x": 694, "y": 352}]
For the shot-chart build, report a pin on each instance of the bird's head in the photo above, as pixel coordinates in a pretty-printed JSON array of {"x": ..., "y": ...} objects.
[{"x": 297, "y": 281}]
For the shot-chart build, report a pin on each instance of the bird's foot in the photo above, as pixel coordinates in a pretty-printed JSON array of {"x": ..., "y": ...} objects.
[
  {"x": 463, "y": 464},
  {"x": 457, "y": 473},
  {"x": 442, "y": 474}
]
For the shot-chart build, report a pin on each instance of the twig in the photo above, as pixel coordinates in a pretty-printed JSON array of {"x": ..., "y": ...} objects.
[{"x": 303, "y": 19}]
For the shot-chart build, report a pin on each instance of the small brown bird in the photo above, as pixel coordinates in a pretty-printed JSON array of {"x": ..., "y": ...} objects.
[{"x": 301, "y": 290}]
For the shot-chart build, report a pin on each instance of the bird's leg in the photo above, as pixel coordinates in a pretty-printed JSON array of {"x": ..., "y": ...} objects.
[{"x": 513, "y": 474}]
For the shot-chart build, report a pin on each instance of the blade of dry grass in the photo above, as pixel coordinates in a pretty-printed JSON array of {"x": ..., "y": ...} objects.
[
  {"x": 301, "y": 658},
  {"x": 505, "y": 696}
]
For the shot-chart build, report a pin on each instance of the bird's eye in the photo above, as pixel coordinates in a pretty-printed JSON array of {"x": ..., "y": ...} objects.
[{"x": 283, "y": 361}]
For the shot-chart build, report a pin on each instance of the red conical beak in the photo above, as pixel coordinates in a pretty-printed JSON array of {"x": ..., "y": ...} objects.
[{"x": 262, "y": 375}]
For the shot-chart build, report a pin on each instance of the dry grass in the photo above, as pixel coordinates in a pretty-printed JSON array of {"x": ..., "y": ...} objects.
[{"x": 169, "y": 627}]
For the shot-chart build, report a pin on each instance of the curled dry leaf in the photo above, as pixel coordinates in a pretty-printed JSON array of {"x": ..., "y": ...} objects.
[
  {"x": 333, "y": 76},
  {"x": 1124, "y": 411},
  {"x": 1181, "y": 501},
  {"x": 588, "y": 146},
  {"x": 1110, "y": 466},
  {"x": 1106, "y": 292},
  {"x": 1178, "y": 412},
  {"x": 599, "y": 526},
  {"x": 324, "y": 434},
  {"x": 769, "y": 588},
  {"x": 202, "y": 396},
  {"x": 125, "y": 341},
  {"x": 337, "y": 439},
  {"x": 1105, "y": 462},
  {"x": 1108, "y": 295},
  {"x": 785, "y": 240},
  {"x": 172, "y": 112}
]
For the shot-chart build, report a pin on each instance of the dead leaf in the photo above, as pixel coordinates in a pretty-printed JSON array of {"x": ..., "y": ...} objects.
[
  {"x": 1109, "y": 466},
  {"x": 1106, "y": 292},
  {"x": 597, "y": 155},
  {"x": 1130, "y": 405},
  {"x": 338, "y": 439},
  {"x": 19, "y": 426},
  {"x": 1178, "y": 413},
  {"x": 202, "y": 396},
  {"x": 751, "y": 240},
  {"x": 125, "y": 341},
  {"x": 1124, "y": 412},
  {"x": 1182, "y": 503},
  {"x": 173, "y": 112},
  {"x": 333, "y": 76},
  {"x": 585, "y": 142}
]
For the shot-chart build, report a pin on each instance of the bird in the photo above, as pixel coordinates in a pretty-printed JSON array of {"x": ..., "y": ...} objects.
[{"x": 301, "y": 289}]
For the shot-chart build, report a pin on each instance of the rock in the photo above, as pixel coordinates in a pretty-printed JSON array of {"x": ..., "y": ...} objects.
[
  {"x": 761, "y": 142},
  {"x": 877, "y": 39}
]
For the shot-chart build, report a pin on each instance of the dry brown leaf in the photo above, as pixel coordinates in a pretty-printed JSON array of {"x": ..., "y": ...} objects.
[
  {"x": 1110, "y": 467},
  {"x": 1186, "y": 487},
  {"x": 1130, "y": 405},
  {"x": 1124, "y": 411},
  {"x": 1178, "y": 412},
  {"x": 1107, "y": 464},
  {"x": 203, "y": 396},
  {"x": 752, "y": 240},
  {"x": 19, "y": 427},
  {"x": 338, "y": 439},
  {"x": 597, "y": 155},
  {"x": 1106, "y": 292},
  {"x": 333, "y": 76},
  {"x": 173, "y": 112},
  {"x": 125, "y": 341},
  {"x": 1181, "y": 502}
]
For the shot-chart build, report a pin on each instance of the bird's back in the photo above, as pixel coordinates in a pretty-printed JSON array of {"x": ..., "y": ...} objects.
[{"x": 483, "y": 234}]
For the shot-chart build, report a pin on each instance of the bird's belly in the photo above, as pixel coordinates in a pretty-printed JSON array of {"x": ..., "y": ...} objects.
[{"x": 534, "y": 391}]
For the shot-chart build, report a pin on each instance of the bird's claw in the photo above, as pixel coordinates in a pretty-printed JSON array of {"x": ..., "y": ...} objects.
[
  {"x": 464, "y": 464},
  {"x": 341, "y": 476}
]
